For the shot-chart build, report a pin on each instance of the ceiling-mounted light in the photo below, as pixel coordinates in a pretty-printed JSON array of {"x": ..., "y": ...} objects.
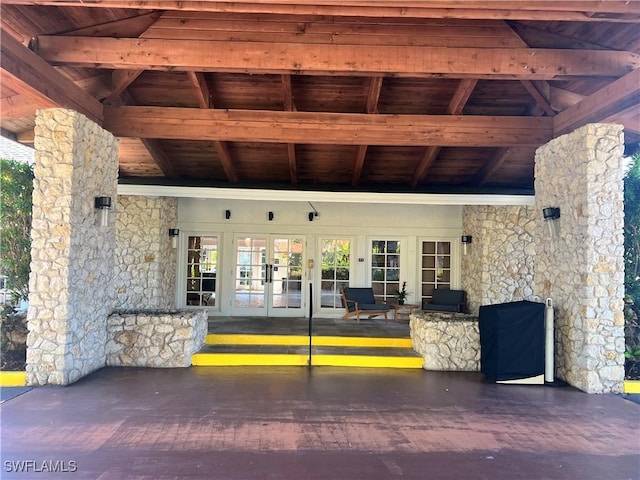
[{"x": 102, "y": 205}]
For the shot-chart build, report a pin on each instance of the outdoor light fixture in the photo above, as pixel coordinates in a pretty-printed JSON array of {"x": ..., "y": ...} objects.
[
  {"x": 174, "y": 233},
  {"x": 270, "y": 216},
  {"x": 227, "y": 214},
  {"x": 314, "y": 213},
  {"x": 102, "y": 205},
  {"x": 466, "y": 241},
  {"x": 551, "y": 216}
]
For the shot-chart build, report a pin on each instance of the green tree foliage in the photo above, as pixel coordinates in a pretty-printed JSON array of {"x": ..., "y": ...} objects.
[
  {"x": 632, "y": 230},
  {"x": 632, "y": 269},
  {"x": 16, "y": 182}
]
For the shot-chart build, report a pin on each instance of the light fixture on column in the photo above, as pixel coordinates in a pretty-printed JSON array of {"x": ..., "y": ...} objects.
[
  {"x": 102, "y": 205},
  {"x": 466, "y": 241},
  {"x": 174, "y": 233},
  {"x": 270, "y": 216},
  {"x": 551, "y": 216},
  {"x": 227, "y": 214}
]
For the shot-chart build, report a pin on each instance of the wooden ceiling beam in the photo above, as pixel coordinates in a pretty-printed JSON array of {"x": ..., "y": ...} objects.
[
  {"x": 269, "y": 57},
  {"x": 375, "y": 87},
  {"x": 455, "y": 107},
  {"x": 159, "y": 156},
  {"x": 289, "y": 106},
  {"x": 201, "y": 89},
  {"x": 491, "y": 167},
  {"x": 120, "y": 81},
  {"x": 17, "y": 106},
  {"x": 326, "y": 128},
  {"x": 26, "y": 73},
  {"x": 538, "y": 97},
  {"x": 205, "y": 101},
  {"x": 586, "y": 10},
  {"x": 619, "y": 95},
  {"x": 227, "y": 162}
]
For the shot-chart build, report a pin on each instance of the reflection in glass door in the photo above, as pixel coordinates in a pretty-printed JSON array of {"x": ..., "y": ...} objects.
[
  {"x": 336, "y": 263},
  {"x": 269, "y": 275},
  {"x": 202, "y": 269},
  {"x": 385, "y": 269}
]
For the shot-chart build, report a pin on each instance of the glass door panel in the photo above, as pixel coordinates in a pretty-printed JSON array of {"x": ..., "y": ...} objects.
[
  {"x": 334, "y": 271},
  {"x": 435, "y": 267},
  {"x": 385, "y": 269},
  {"x": 269, "y": 275},
  {"x": 202, "y": 269},
  {"x": 250, "y": 272}
]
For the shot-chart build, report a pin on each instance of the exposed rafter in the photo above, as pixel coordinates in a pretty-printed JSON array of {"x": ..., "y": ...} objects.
[
  {"x": 326, "y": 128},
  {"x": 591, "y": 10},
  {"x": 24, "y": 72},
  {"x": 456, "y": 105},
  {"x": 620, "y": 95},
  {"x": 270, "y": 57}
]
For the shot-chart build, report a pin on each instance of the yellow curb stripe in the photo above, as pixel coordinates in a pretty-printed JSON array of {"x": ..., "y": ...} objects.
[
  {"x": 382, "y": 342},
  {"x": 366, "y": 361},
  {"x": 303, "y": 340},
  {"x": 631, "y": 386},
  {"x": 13, "y": 379},
  {"x": 247, "y": 339},
  {"x": 238, "y": 359}
]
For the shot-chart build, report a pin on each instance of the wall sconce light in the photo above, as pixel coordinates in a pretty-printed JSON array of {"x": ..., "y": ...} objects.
[
  {"x": 551, "y": 216},
  {"x": 227, "y": 214},
  {"x": 270, "y": 216},
  {"x": 174, "y": 233},
  {"x": 102, "y": 205},
  {"x": 466, "y": 241}
]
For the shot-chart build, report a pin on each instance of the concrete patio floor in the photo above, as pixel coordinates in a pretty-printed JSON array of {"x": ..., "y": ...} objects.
[{"x": 320, "y": 423}]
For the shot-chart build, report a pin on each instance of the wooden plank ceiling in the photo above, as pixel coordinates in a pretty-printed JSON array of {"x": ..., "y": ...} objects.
[{"x": 422, "y": 96}]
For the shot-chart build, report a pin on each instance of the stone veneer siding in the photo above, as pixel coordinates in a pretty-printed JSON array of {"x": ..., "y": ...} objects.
[
  {"x": 155, "y": 339},
  {"x": 145, "y": 264},
  {"x": 447, "y": 341},
  {"x": 500, "y": 265},
  {"x": 72, "y": 258},
  {"x": 582, "y": 271}
]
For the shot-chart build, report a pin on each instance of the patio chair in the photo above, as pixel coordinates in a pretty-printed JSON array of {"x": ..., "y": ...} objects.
[
  {"x": 446, "y": 300},
  {"x": 360, "y": 301}
]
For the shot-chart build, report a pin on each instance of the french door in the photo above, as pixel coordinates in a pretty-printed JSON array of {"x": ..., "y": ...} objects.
[{"x": 269, "y": 275}]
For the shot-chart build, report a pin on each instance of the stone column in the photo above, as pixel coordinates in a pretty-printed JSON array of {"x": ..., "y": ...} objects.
[
  {"x": 145, "y": 269},
  {"x": 582, "y": 270},
  {"x": 500, "y": 264},
  {"x": 71, "y": 278}
]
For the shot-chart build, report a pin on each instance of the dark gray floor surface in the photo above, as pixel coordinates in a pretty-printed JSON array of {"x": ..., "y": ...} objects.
[{"x": 319, "y": 423}]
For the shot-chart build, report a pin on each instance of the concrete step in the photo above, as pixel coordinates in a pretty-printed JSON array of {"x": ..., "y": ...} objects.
[
  {"x": 303, "y": 340},
  {"x": 290, "y": 354}
]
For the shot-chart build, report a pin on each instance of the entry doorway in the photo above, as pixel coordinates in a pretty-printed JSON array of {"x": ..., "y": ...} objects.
[{"x": 269, "y": 275}]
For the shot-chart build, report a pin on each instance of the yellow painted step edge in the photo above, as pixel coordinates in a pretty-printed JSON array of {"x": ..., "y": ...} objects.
[
  {"x": 366, "y": 361},
  {"x": 329, "y": 341},
  {"x": 238, "y": 359},
  {"x": 631, "y": 386},
  {"x": 248, "y": 339},
  {"x": 302, "y": 340},
  {"x": 13, "y": 379}
]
